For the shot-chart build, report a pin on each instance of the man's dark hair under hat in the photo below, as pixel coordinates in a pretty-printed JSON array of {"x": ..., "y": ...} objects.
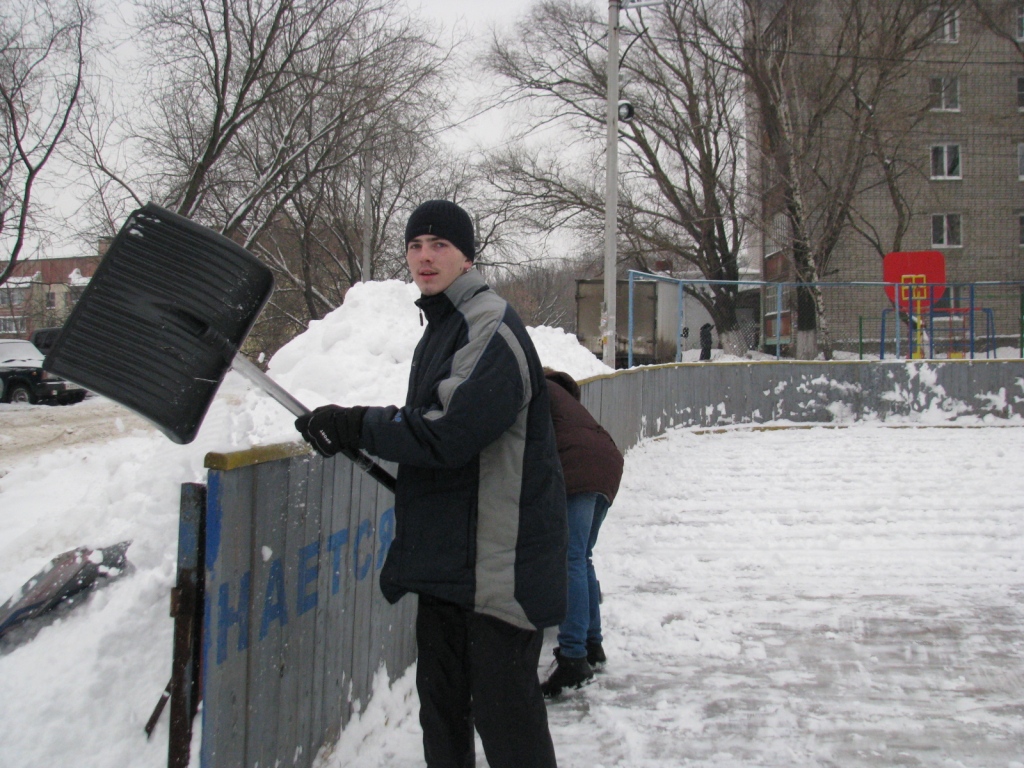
[{"x": 444, "y": 219}]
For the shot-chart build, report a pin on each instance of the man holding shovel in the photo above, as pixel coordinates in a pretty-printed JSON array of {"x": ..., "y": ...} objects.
[{"x": 479, "y": 503}]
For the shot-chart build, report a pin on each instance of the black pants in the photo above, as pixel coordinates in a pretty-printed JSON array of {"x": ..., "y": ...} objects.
[{"x": 477, "y": 670}]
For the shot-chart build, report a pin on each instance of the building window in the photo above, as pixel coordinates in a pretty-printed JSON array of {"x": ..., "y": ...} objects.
[
  {"x": 778, "y": 317},
  {"x": 775, "y": 266},
  {"x": 51, "y": 299},
  {"x": 12, "y": 324},
  {"x": 1020, "y": 227},
  {"x": 1020, "y": 162},
  {"x": 946, "y": 24},
  {"x": 946, "y": 230},
  {"x": 12, "y": 297},
  {"x": 944, "y": 94},
  {"x": 1020, "y": 22},
  {"x": 946, "y": 161},
  {"x": 1020, "y": 93}
]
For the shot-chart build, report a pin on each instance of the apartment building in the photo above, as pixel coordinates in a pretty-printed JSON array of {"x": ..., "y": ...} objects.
[
  {"x": 41, "y": 293},
  {"x": 947, "y": 175}
]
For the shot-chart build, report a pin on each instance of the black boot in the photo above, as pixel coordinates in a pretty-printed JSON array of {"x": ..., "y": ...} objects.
[
  {"x": 569, "y": 673},
  {"x": 595, "y": 654}
]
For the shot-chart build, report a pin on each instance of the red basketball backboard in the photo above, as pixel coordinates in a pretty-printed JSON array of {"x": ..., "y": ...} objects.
[{"x": 924, "y": 269}]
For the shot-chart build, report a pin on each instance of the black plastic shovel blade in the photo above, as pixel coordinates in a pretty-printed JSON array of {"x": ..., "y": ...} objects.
[{"x": 159, "y": 323}]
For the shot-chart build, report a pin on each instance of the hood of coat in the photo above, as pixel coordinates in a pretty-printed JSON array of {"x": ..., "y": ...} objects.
[{"x": 564, "y": 380}]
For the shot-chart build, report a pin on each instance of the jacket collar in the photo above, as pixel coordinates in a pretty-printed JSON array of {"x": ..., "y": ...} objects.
[{"x": 440, "y": 305}]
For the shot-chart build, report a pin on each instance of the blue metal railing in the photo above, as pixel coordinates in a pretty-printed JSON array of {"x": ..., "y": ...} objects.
[{"x": 904, "y": 304}]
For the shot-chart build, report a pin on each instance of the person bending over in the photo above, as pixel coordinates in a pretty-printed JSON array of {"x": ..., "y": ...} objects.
[{"x": 592, "y": 466}]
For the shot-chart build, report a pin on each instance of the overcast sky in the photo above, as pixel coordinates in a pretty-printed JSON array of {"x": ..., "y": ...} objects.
[
  {"x": 474, "y": 20},
  {"x": 477, "y": 13},
  {"x": 471, "y": 20}
]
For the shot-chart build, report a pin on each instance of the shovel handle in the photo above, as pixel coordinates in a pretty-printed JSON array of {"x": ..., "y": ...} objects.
[{"x": 242, "y": 365}]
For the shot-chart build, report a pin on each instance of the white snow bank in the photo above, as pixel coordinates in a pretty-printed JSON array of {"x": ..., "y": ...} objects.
[{"x": 81, "y": 691}]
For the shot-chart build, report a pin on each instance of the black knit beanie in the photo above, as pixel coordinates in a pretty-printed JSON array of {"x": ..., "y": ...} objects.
[{"x": 443, "y": 219}]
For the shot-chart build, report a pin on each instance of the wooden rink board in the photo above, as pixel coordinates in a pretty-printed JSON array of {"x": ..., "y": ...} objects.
[
  {"x": 645, "y": 402},
  {"x": 295, "y": 627}
]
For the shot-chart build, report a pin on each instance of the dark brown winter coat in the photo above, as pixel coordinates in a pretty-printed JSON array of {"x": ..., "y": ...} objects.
[{"x": 591, "y": 462}]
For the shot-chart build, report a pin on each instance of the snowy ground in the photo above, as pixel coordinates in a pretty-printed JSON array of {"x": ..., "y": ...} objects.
[
  {"x": 809, "y": 597},
  {"x": 820, "y": 597}
]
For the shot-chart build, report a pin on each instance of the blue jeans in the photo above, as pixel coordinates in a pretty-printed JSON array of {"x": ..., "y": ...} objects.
[{"x": 583, "y": 616}]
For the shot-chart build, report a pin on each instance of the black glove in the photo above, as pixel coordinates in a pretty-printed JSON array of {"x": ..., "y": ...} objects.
[{"x": 331, "y": 428}]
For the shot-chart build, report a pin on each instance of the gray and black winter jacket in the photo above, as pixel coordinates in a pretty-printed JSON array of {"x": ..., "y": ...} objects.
[{"x": 480, "y": 500}]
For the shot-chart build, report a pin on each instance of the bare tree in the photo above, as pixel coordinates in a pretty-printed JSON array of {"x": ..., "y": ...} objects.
[
  {"x": 267, "y": 117},
  {"x": 316, "y": 245},
  {"x": 42, "y": 64},
  {"x": 542, "y": 293},
  {"x": 253, "y": 98},
  {"x": 822, "y": 75},
  {"x": 681, "y": 166},
  {"x": 892, "y": 161}
]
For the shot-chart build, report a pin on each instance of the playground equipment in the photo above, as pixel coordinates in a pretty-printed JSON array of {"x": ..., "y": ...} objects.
[
  {"x": 935, "y": 320},
  {"x": 943, "y": 332},
  {"x": 915, "y": 282}
]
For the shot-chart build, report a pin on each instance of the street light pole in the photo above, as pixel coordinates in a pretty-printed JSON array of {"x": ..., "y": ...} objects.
[
  {"x": 611, "y": 199},
  {"x": 611, "y": 193}
]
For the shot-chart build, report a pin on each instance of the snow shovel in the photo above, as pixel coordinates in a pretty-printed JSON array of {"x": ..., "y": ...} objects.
[{"x": 161, "y": 321}]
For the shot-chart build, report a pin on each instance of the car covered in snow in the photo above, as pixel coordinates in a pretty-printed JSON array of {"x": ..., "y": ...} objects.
[{"x": 23, "y": 380}]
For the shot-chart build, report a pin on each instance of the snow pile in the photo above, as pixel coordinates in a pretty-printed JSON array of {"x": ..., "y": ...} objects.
[
  {"x": 359, "y": 354},
  {"x": 363, "y": 349},
  {"x": 560, "y": 350},
  {"x": 81, "y": 691}
]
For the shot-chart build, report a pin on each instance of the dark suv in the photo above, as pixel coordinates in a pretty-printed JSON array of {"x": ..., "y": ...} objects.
[{"x": 23, "y": 380}]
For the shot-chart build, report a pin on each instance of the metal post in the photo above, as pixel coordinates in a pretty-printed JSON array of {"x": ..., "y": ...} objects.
[
  {"x": 187, "y": 608},
  {"x": 1021, "y": 344},
  {"x": 611, "y": 201},
  {"x": 990, "y": 328},
  {"x": 629, "y": 359},
  {"x": 881, "y": 349},
  {"x": 778, "y": 323},
  {"x": 681, "y": 322},
  {"x": 910, "y": 327},
  {"x": 899, "y": 336},
  {"x": 972, "y": 321},
  {"x": 931, "y": 322}
]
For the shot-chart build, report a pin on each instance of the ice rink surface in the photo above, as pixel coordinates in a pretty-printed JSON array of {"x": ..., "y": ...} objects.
[{"x": 811, "y": 597}]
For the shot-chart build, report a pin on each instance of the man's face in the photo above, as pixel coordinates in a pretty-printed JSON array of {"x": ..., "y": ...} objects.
[{"x": 434, "y": 263}]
